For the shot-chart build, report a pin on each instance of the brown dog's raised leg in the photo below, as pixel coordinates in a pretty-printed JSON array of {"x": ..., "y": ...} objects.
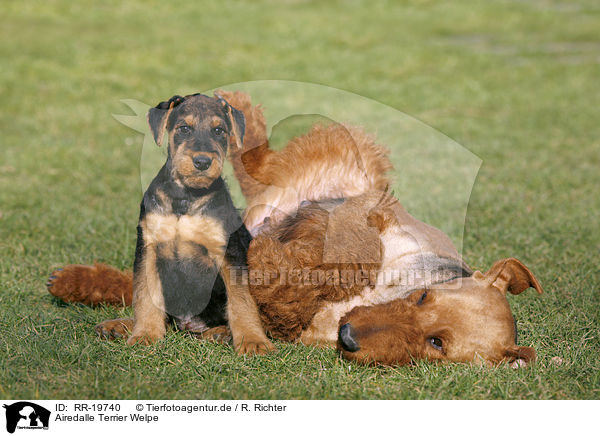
[{"x": 249, "y": 160}]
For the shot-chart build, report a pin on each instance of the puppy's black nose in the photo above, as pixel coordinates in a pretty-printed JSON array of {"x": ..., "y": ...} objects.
[
  {"x": 347, "y": 337},
  {"x": 202, "y": 162}
]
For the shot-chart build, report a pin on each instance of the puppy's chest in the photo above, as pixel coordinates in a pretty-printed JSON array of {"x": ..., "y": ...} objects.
[{"x": 185, "y": 236}]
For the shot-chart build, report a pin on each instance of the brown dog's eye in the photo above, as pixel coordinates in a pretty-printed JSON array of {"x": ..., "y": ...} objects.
[
  {"x": 184, "y": 130},
  {"x": 436, "y": 343},
  {"x": 218, "y": 131},
  {"x": 422, "y": 298}
]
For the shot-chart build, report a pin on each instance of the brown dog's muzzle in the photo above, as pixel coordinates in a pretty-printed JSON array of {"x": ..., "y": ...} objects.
[
  {"x": 386, "y": 334},
  {"x": 347, "y": 338}
]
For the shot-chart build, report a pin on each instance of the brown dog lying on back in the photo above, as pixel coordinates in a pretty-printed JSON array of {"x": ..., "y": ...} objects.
[{"x": 337, "y": 260}]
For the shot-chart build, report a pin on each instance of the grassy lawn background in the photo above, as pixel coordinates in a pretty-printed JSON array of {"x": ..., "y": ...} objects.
[{"x": 514, "y": 82}]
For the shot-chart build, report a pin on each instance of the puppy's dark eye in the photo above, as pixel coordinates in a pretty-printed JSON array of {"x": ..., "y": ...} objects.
[
  {"x": 218, "y": 131},
  {"x": 423, "y": 296},
  {"x": 184, "y": 130},
  {"x": 435, "y": 343}
]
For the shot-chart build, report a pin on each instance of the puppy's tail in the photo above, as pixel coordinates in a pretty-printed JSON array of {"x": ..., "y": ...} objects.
[
  {"x": 248, "y": 161},
  {"x": 92, "y": 285}
]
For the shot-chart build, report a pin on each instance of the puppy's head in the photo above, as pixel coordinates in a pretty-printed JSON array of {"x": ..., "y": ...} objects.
[
  {"x": 466, "y": 320},
  {"x": 199, "y": 129}
]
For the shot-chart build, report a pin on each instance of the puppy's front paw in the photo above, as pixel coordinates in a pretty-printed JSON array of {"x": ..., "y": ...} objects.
[
  {"x": 144, "y": 339},
  {"x": 249, "y": 345},
  {"x": 115, "y": 328}
]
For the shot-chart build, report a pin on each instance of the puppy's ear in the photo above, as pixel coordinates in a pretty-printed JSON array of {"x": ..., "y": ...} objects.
[
  {"x": 512, "y": 276},
  {"x": 520, "y": 356},
  {"x": 237, "y": 123},
  {"x": 158, "y": 116}
]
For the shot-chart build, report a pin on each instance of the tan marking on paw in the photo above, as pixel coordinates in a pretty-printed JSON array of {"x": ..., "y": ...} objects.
[
  {"x": 144, "y": 339},
  {"x": 254, "y": 346}
]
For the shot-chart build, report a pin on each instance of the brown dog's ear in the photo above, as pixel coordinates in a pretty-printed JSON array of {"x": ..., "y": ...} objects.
[
  {"x": 382, "y": 215},
  {"x": 380, "y": 219},
  {"x": 158, "y": 116},
  {"x": 512, "y": 276},
  {"x": 520, "y": 356},
  {"x": 237, "y": 123}
]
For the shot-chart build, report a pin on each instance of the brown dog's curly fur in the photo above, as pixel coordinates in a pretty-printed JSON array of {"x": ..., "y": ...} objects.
[{"x": 294, "y": 260}]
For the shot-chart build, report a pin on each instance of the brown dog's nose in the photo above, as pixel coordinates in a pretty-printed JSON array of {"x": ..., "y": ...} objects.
[
  {"x": 202, "y": 162},
  {"x": 347, "y": 337}
]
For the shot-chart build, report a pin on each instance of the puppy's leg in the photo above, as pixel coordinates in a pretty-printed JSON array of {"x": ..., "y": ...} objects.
[
  {"x": 242, "y": 312},
  {"x": 148, "y": 301},
  {"x": 115, "y": 328}
]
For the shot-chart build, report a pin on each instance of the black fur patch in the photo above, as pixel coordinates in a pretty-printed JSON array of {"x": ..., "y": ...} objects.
[{"x": 187, "y": 284}]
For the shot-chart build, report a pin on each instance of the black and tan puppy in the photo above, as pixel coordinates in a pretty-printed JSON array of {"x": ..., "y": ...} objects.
[{"x": 190, "y": 235}]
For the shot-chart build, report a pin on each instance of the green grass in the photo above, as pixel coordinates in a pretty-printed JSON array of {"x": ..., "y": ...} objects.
[{"x": 514, "y": 82}]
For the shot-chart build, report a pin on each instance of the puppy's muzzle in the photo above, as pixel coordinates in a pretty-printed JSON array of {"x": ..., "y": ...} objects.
[{"x": 202, "y": 162}]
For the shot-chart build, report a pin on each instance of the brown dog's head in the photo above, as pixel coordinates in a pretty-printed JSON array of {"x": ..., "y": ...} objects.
[
  {"x": 459, "y": 322},
  {"x": 199, "y": 128}
]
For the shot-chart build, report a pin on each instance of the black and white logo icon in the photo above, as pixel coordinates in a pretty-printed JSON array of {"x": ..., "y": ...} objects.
[{"x": 26, "y": 415}]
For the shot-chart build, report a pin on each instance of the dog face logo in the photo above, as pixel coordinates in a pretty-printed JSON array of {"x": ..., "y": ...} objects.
[{"x": 26, "y": 415}]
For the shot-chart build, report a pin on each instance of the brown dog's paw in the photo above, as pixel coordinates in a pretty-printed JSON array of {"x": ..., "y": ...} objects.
[
  {"x": 115, "y": 328},
  {"x": 220, "y": 334},
  {"x": 254, "y": 346},
  {"x": 60, "y": 284}
]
